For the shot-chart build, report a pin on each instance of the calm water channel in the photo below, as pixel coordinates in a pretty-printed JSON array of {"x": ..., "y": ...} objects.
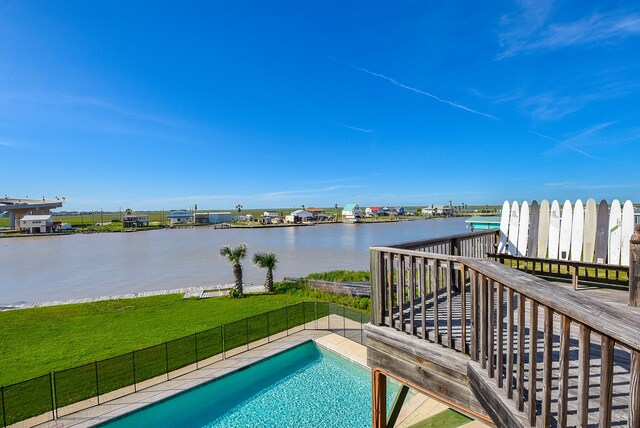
[{"x": 76, "y": 266}]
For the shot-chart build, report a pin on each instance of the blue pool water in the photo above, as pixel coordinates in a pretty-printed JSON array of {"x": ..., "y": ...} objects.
[{"x": 306, "y": 386}]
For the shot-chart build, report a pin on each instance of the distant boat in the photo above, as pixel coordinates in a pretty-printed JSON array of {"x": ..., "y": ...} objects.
[{"x": 483, "y": 222}]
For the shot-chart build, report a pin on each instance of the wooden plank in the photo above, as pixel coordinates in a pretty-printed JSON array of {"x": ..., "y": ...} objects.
[
  {"x": 510, "y": 350},
  {"x": 584, "y": 363},
  {"x": 423, "y": 294},
  {"x": 563, "y": 375},
  {"x": 412, "y": 292},
  {"x": 533, "y": 356},
  {"x": 521, "y": 340},
  {"x": 463, "y": 295},
  {"x": 606, "y": 381},
  {"x": 390, "y": 282},
  {"x": 634, "y": 390},
  {"x": 436, "y": 319},
  {"x": 547, "y": 367},
  {"x": 499, "y": 340},
  {"x": 400, "y": 292},
  {"x": 483, "y": 321},
  {"x": 449, "y": 307},
  {"x": 475, "y": 314}
]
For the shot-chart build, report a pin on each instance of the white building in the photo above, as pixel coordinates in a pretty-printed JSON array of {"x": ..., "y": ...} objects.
[
  {"x": 299, "y": 216},
  {"x": 36, "y": 223},
  {"x": 272, "y": 214},
  {"x": 214, "y": 218},
  {"x": 351, "y": 213}
]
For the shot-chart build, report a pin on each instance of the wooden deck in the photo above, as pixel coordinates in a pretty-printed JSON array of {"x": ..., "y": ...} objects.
[
  {"x": 622, "y": 360},
  {"x": 541, "y": 352}
]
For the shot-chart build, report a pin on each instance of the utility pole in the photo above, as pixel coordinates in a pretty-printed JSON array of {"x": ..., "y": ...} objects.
[{"x": 101, "y": 217}]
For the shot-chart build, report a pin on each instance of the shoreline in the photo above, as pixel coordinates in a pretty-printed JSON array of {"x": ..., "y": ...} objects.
[
  {"x": 80, "y": 231},
  {"x": 216, "y": 290}
]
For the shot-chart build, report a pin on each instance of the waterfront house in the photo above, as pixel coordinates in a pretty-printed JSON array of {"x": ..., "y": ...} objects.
[
  {"x": 372, "y": 211},
  {"x": 299, "y": 216},
  {"x": 270, "y": 214},
  {"x": 318, "y": 213},
  {"x": 435, "y": 210},
  {"x": 36, "y": 224},
  {"x": 351, "y": 213},
  {"x": 411, "y": 212},
  {"x": 180, "y": 218},
  {"x": 135, "y": 220}
]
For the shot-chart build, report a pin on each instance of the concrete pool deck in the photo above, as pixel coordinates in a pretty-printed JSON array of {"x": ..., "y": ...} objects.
[{"x": 418, "y": 408}]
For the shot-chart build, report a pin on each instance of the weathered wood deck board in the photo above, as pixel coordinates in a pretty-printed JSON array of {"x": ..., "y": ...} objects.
[{"x": 620, "y": 385}]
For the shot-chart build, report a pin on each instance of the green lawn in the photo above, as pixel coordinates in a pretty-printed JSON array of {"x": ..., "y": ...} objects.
[{"x": 37, "y": 341}]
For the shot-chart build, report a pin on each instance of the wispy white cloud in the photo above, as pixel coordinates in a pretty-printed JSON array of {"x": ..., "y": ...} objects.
[
  {"x": 9, "y": 144},
  {"x": 416, "y": 90},
  {"x": 573, "y": 143},
  {"x": 528, "y": 30},
  {"x": 355, "y": 128},
  {"x": 578, "y": 185}
]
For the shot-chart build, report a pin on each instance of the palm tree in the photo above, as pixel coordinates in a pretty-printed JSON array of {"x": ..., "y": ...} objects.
[
  {"x": 239, "y": 208},
  {"x": 235, "y": 257},
  {"x": 268, "y": 261}
]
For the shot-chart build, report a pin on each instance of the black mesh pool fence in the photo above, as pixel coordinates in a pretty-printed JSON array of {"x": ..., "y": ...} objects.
[{"x": 52, "y": 395}]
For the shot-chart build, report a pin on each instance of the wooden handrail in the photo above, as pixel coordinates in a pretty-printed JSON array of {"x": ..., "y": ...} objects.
[{"x": 513, "y": 324}]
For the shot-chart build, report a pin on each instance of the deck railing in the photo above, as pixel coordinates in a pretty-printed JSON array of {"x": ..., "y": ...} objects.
[{"x": 556, "y": 354}]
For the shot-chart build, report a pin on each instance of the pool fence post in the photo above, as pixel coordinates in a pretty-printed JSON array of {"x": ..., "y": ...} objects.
[
  {"x": 54, "y": 396},
  {"x": 361, "y": 322},
  {"x": 315, "y": 309},
  {"x": 344, "y": 321},
  {"x": 97, "y": 385},
  {"x": 133, "y": 359},
  {"x": 4, "y": 411},
  {"x": 304, "y": 317},
  {"x": 224, "y": 357},
  {"x": 195, "y": 336},
  {"x": 329, "y": 316},
  {"x": 166, "y": 357},
  {"x": 286, "y": 318},
  {"x": 268, "y": 329},
  {"x": 247, "y": 328}
]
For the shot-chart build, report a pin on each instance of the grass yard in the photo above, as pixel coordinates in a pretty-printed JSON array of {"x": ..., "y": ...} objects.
[{"x": 37, "y": 341}]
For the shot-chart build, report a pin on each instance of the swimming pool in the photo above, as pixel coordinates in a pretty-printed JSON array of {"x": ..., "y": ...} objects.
[{"x": 307, "y": 386}]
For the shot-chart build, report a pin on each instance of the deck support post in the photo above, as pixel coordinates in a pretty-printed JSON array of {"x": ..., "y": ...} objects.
[
  {"x": 397, "y": 406},
  {"x": 634, "y": 268},
  {"x": 379, "y": 397}
]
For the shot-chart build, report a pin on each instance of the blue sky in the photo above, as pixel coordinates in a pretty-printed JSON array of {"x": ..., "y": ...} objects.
[{"x": 154, "y": 105}]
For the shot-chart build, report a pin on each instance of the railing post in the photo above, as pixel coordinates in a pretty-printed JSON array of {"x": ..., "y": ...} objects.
[
  {"x": 374, "y": 282},
  {"x": 379, "y": 397},
  {"x": 634, "y": 268}
]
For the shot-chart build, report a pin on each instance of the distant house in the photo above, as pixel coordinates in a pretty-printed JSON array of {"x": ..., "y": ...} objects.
[
  {"x": 272, "y": 214},
  {"x": 351, "y": 213},
  {"x": 372, "y": 211},
  {"x": 410, "y": 212},
  {"x": 214, "y": 218},
  {"x": 318, "y": 213},
  {"x": 180, "y": 218},
  {"x": 433, "y": 210},
  {"x": 36, "y": 223},
  {"x": 299, "y": 216},
  {"x": 135, "y": 220}
]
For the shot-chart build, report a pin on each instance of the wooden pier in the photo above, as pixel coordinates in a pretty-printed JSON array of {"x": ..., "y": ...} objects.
[{"x": 500, "y": 343}]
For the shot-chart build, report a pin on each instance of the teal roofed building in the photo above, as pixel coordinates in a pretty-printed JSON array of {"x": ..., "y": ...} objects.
[{"x": 351, "y": 213}]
